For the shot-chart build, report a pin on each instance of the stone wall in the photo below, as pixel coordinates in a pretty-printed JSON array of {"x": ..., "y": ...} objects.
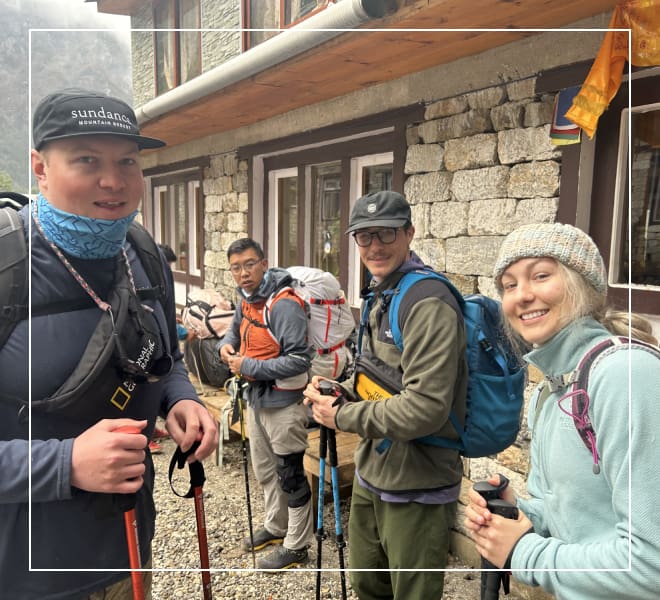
[
  {"x": 226, "y": 217},
  {"x": 478, "y": 166}
]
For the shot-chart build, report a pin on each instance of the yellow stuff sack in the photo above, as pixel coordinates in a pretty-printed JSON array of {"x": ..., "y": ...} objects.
[{"x": 374, "y": 380}]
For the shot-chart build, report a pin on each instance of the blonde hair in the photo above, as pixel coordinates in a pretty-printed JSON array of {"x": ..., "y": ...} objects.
[{"x": 581, "y": 300}]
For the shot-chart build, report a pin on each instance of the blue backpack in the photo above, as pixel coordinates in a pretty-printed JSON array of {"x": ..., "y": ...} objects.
[{"x": 496, "y": 379}]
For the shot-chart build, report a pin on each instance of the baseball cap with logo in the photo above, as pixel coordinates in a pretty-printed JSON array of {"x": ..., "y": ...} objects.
[
  {"x": 379, "y": 209},
  {"x": 76, "y": 112}
]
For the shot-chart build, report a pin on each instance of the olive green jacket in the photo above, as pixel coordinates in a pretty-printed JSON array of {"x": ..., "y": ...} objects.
[{"x": 434, "y": 381}]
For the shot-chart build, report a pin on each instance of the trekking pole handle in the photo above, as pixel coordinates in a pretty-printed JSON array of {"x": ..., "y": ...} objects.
[
  {"x": 330, "y": 388},
  {"x": 492, "y": 580},
  {"x": 132, "y": 537}
]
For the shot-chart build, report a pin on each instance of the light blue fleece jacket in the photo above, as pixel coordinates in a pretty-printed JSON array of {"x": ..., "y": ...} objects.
[{"x": 603, "y": 526}]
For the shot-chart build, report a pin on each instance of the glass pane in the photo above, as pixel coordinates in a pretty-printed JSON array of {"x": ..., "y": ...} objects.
[
  {"x": 376, "y": 178},
  {"x": 297, "y": 9},
  {"x": 189, "y": 41},
  {"x": 287, "y": 209},
  {"x": 164, "y": 43},
  {"x": 180, "y": 237},
  {"x": 326, "y": 236},
  {"x": 163, "y": 214},
  {"x": 644, "y": 203},
  {"x": 198, "y": 217}
]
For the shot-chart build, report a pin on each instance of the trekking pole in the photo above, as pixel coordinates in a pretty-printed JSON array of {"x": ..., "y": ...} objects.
[
  {"x": 320, "y": 534},
  {"x": 492, "y": 580},
  {"x": 328, "y": 388},
  {"x": 197, "y": 479},
  {"x": 132, "y": 537},
  {"x": 239, "y": 384},
  {"x": 341, "y": 544}
]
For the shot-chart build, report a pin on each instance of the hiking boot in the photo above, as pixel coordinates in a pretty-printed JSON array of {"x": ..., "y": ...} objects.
[
  {"x": 262, "y": 538},
  {"x": 283, "y": 558},
  {"x": 155, "y": 448}
]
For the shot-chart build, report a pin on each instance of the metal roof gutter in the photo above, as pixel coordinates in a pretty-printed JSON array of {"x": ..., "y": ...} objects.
[{"x": 329, "y": 23}]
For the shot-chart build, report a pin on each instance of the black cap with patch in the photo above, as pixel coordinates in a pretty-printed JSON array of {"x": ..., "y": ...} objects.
[
  {"x": 379, "y": 209},
  {"x": 76, "y": 112}
]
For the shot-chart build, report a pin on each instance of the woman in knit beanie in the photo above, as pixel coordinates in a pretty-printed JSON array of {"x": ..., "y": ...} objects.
[{"x": 584, "y": 528}]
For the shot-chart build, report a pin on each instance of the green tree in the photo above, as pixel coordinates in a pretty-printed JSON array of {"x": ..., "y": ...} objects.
[{"x": 6, "y": 183}]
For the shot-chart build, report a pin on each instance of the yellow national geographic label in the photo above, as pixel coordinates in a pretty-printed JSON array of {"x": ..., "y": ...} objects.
[
  {"x": 120, "y": 398},
  {"x": 368, "y": 389}
]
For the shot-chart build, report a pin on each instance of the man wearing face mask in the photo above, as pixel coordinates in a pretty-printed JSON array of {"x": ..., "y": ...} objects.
[{"x": 103, "y": 356}]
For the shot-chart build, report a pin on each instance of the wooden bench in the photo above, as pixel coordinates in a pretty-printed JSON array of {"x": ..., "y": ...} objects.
[{"x": 346, "y": 444}]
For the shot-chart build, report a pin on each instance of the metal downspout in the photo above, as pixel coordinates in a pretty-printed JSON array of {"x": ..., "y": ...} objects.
[{"x": 336, "y": 19}]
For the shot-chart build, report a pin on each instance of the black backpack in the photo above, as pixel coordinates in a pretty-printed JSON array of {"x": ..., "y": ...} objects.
[{"x": 13, "y": 264}]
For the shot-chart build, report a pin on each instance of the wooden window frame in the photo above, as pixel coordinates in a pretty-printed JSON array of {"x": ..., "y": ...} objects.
[{"x": 175, "y": 36}]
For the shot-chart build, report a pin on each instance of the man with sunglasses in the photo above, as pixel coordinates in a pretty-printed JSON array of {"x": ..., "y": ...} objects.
[
  {"x": 405, "y": 492},
  {"x": 267, "y": 346},
  {"x": 103, "y": 363}
]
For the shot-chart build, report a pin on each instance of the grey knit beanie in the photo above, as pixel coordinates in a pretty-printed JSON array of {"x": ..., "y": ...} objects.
[{"x": 565, "y": 243}]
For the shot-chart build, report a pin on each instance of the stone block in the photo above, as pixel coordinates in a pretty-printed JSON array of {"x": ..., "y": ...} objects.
[
  {"x": 487, "y": 98},
  {"x": 465, "y": 124},
  {"x": 515, "y": 458},
  {"x": 465, "y": 284},
  {"x": 535, "y": 179},
  {"x": 212, "y": 203},
  {"x": 491, "y": 217},
  {"x": 431, "y": 251},
  {"x": 428, "y": 187},
  {"x": 448, "y": 219},
  {"x": 507, "y": 116},
  {"x": 486, "y": 286},
  {"x": 521, "y": 89},
  {"x": 472, "y": 152},
  {"x": 237, "y": 222},
  {"x": 243, "y": 202},
  {"x": 412, "y": 135},
  {"x": 538, "y": 113},
  {"x": 224, "y": 184},
  {"x": 240, "y": 181},
  {"x": 479, "y": 184},
  {"x": 532, "y": 143},
  {"x": 446, "y": 108},
  {"x": 422, "y": 158},
  {"x": 535, "y": 210},
  {"x": 419, "y": 213},
  {"x": 472, "y": 255}
]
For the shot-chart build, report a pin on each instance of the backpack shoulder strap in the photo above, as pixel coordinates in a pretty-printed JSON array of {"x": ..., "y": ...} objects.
[
  {"x": 147, "y": 251},
  {"x": 13, "y": 272},
  {"x": 405, "y": 283},
  {"x": 579, "y": 395}
]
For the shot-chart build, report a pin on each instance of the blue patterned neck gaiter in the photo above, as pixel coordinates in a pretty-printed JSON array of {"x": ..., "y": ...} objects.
[{"x": 83, "y": 237}]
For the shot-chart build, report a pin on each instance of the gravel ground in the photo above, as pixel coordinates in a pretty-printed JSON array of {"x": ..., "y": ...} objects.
[{"x": 175, "y": 546}]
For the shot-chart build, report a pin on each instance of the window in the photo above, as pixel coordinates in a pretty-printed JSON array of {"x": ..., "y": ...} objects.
[
  {"x": 296, "y": 10},
  {"x": 262, "y": 18},
  {"x": 177, "y": 52},
  {"x": 307, "y": 208},
  {"x": 175, "y": 215},
  {"x": 302, "y": 189},
  {"x": 624, "y": 225},
  {"x": 636, "y": 238}
]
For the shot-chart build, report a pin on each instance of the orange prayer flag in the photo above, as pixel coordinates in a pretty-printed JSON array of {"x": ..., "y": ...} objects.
[
  {"x": 604, "y": 78},
  {"x": 642, "y": 17}
]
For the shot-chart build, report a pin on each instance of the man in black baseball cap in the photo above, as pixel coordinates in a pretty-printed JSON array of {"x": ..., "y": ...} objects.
[
  {"x": 104, "y": 357},
  {"x": 76, "y": 112},
  {"x": 405, "y": 492}
]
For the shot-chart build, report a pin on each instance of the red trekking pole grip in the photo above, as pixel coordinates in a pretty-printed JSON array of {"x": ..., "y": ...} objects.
[{"x": 132, "y": 537}]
